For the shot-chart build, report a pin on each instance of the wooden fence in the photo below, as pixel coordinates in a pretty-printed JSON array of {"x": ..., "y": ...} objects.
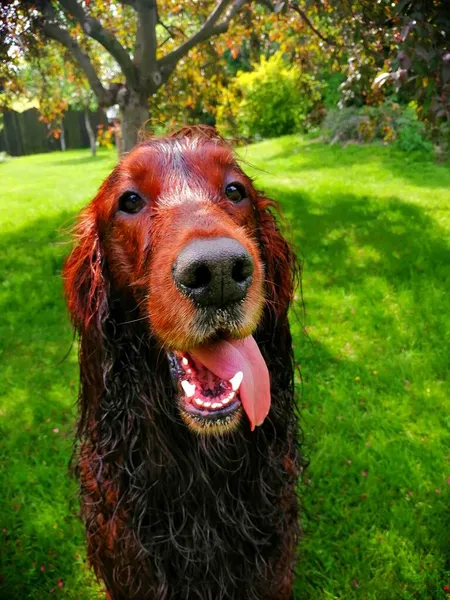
[{"x": 23, "y": 133}]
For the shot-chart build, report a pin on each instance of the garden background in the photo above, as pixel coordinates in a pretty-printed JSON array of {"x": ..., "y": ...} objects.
[{"x": 341, "y": 112}]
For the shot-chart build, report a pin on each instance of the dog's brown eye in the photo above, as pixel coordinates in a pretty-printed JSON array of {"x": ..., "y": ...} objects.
[
  {"x": 235, "y": 192},
  {"x": 131, "y": 203}
]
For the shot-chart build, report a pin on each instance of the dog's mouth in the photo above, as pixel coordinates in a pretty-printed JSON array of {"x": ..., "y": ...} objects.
[{"x": 219, "y": 382}]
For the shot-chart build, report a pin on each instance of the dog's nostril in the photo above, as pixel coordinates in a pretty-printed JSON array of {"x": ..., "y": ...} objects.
[
  {"x": 193, "y": 275},
  {"x": 200, "y": 277},
  {"x": 241, "y": 271}
]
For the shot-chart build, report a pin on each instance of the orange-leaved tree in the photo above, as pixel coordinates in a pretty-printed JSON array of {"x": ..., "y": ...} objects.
[{"x": 142, "y": 42}]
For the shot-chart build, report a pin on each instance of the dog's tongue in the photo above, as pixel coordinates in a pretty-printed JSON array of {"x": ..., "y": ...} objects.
[{"x": 225, "y": 358}]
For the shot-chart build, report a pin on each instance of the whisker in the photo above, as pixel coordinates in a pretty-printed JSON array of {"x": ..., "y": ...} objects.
[{"x": 133, "y": 321}]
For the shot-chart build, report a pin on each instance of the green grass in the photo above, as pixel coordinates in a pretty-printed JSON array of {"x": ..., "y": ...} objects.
[{"x": 373, "y": 230}]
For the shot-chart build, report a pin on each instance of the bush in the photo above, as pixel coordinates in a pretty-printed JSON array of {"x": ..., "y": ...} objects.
[
  {"x": 388, "y": 122},
  {"x": 270, "y": 101},
  {"x": 344, "y": 124},
  {"x": 411, "y": 133}
]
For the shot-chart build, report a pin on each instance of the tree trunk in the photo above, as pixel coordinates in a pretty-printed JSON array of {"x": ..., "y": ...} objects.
[
  {"x": 62, "y": 137},
  {"x": 90, "y": 132},
  {"x": 133, "y": 115}
]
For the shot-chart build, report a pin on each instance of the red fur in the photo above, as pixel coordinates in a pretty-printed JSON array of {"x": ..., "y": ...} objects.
[{"x": 128, "y": 312}]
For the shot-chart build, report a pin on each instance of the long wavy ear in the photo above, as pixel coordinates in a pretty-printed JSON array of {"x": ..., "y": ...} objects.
[
  {"x": 282, "y": 271},
  {"x": 84, "y": 283},
  {"x": 282, "y": 268},
  {"x": 87, "y": 291}
]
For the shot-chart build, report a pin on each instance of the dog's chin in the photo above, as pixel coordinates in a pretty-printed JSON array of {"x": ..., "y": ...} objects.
[{"x": 207, "y": 404}]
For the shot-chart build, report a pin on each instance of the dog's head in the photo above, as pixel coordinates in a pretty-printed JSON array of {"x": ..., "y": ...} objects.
[{"x": 179, "y": 231}]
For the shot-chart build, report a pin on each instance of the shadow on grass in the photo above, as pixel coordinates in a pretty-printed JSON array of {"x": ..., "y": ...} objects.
[
  {"x": 370, "y": 490},
  {"x": 394, "y": 239},
  {"x": 41, "y": 537},
  {"x": 386, "y": 265},
  {"x": 82, "y": 160}
]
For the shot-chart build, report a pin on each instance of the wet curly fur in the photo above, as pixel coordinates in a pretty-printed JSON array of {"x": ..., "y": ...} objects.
[{"x": 170, "y": 514}]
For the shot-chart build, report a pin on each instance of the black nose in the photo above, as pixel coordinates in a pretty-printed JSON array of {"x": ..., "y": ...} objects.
[{"x": 214, "y": 271}]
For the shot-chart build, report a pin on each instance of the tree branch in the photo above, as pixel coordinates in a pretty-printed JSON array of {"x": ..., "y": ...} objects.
[
  {"x": 210, "y": 28},
  {"x": 161, "y": 44},
  {"x": 94, "y": 29},
  {"x": 146, "y": 43},
  {"x": 233, "y": 10},
  {"x": 169, "y": 29},
  {"x": 54, "y": 31},
  {"x": 306, "y": 20}
]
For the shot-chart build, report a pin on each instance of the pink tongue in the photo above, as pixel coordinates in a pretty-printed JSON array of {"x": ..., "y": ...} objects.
[{"x": 226, "y": 358}]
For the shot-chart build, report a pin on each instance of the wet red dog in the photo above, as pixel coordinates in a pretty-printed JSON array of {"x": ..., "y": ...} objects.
[{"x": 179, "y": 287}]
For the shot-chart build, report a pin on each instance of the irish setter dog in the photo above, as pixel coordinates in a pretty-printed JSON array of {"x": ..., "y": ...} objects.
[{"x": 187, "y": 456}]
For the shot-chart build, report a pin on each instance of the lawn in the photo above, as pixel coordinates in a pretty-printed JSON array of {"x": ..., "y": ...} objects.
[{"x": 372, "y": 227}]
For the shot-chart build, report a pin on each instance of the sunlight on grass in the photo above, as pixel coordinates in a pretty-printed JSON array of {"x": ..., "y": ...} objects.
[{"x": 372, "y": 227}]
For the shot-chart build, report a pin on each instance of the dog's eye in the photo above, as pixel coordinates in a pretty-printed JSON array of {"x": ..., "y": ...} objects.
[
  {"x": 130, "y": 202},
  {"x": 235, "y": 192}
]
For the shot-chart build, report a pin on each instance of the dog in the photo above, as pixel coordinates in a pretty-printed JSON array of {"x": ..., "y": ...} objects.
[{"x": 187, "y": 452}]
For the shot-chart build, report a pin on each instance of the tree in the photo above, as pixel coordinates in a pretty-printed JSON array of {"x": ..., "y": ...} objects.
[
  {"x": 134, "y": 35},
  {"x": 419, "y": 65},
  {"x": 387, "y": 47}
]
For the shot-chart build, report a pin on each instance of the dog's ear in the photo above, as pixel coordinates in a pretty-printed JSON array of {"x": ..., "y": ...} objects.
[
  {"x": 84, "y": 282},
  {"x": 282, "y": 268}
]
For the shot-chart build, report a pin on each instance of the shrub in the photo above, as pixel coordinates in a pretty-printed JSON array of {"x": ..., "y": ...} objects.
[
  {"x": 388, "y": 122},
  {"x": 344, "y": 124},
  {"x": 411, "y": 132},
  {"x": 274, "y": 99}
]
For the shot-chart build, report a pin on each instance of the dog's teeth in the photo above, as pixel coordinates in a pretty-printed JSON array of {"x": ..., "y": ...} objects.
[
  {"x": 184, "y": 361},
  {"x": 237, "y": 380},
  {"x": 228, "y": 398},
  {"x": 216, "y": 404},
  {"x": 206, "y": 404},
  {"x": 189, "y": 388},
  {"x": 198, "y": 402}
]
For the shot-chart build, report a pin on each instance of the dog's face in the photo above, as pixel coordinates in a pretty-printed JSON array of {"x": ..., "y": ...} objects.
[{"x": 177, "y": 224}]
